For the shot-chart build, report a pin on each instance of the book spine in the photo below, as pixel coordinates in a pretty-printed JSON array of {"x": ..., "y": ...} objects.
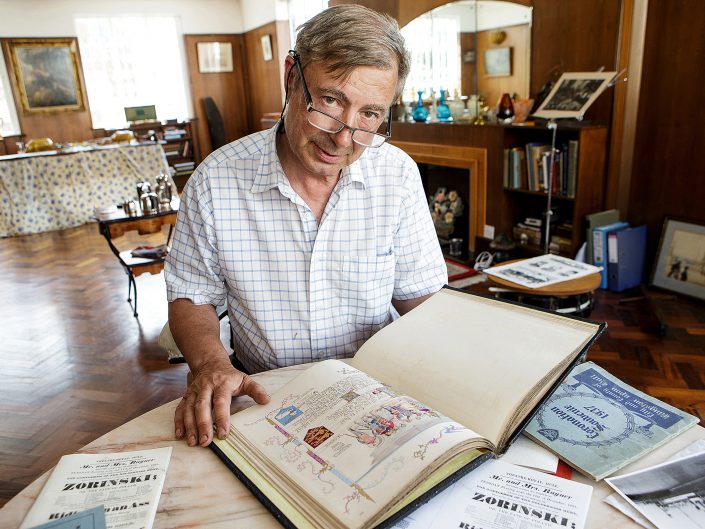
[
  {"x": 572, "y": 167},
  {"x": 505, "y": 169},
  {"x": 598, "y": 255},
  {"x": 613, "y": 261}
]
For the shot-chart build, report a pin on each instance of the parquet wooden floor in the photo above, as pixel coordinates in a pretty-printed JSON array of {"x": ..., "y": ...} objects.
[{"x": 74, "y": 363}]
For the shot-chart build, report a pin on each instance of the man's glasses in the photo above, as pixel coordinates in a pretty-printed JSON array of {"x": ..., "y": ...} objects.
[{"x": 332, "y": 125}]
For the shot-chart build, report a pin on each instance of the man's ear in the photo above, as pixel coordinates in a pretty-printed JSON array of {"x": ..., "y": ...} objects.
[{"x": 289, "y": 64}]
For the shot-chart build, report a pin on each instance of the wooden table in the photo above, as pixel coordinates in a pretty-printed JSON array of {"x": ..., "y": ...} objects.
[
  {"x": 200, "y": 491},
  {"x": 116, "y": 225},
  {"x": 571, "y": 296}
]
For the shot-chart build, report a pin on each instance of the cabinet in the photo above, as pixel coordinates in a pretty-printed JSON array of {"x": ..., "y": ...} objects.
[{"x": 479, "y": 149}]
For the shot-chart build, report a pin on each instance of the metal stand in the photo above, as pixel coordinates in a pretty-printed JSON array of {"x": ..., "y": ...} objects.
[{"x": 553, "y": 126}]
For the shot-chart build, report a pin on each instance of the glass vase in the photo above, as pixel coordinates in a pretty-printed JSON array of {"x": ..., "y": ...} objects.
[
  {"x": 443, "y": 111},
  {"x": 420, "y": 114}
]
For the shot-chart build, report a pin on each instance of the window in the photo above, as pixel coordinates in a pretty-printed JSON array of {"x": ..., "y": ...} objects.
[
  {"x": 435, "y": 47},
  {"x": 132, "y": 61},
  {"x": 9, "y": 125},
  {"x": 302, "y": 10}
]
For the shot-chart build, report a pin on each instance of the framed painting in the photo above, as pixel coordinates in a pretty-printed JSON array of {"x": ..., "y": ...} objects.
[
  {"x": 215, "y": 57},
  {"x": 498, "y": 62},
  {"x": 573, "y": 93},
  {"x": 46, "y": 74},
  {"x": 680, "y": 260}
]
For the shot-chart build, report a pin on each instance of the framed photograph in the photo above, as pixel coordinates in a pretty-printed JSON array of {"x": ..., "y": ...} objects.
[
  {"x": 215, "y": 57},
  {"x": 680, "y": 260},
  {"x": 573, "y": 94},
  {"x": 266, "y": 47},
  {"x": 498, "y": 62},
  {"x": 46, "y": 74}
]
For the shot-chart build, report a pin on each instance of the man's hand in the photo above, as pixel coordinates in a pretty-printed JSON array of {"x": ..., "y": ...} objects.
[{"x": 213, "y": 387}]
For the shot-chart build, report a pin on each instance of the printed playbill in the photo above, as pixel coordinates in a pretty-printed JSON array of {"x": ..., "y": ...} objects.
[
  {"x": 358, "y": 444},
  {"x": 126, "y": 484}
]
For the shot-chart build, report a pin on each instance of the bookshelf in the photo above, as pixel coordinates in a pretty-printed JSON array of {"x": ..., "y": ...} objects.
[
  {"x": 495, "y": 205},
  {"x": 578, "y": 189}
]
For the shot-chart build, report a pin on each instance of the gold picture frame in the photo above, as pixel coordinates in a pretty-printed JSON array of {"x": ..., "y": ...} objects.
[{"x": 46, "y": 74}]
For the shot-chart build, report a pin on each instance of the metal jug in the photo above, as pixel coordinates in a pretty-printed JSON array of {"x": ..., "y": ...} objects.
[{"x": 149, "y": 203}]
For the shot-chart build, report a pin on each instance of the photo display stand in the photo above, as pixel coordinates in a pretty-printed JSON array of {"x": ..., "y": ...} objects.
[{"x": 569, "y": 98}]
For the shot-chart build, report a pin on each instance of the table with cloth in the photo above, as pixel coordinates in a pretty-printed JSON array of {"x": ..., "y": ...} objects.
[{"x": 56, "y": 190}]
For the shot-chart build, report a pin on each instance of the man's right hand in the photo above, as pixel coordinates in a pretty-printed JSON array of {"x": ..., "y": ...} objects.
[{"x": 208, "y": 397}]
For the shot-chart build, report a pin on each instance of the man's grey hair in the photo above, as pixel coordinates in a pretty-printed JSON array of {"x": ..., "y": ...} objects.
[{"x": 346, "y": 36}]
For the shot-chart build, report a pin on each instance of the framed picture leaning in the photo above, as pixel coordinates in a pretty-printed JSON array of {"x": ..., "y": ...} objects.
[
  {"x": 680, "y": 260},
  {"x": 46, "y": 74},
  {"x": 573, "y": 93}
]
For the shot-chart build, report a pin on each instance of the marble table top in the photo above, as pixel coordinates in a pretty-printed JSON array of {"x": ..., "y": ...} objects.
[{"x": 200, "y": 491}]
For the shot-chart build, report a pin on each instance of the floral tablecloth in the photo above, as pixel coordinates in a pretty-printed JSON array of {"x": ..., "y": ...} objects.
[{"x": 46, "y": 193}]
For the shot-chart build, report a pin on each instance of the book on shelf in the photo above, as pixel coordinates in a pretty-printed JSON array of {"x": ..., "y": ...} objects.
[
  {"x": 598, "y": 423},
  {"x": 429, "y": 397}
]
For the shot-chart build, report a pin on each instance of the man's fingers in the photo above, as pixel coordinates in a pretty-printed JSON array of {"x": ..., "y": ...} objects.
[
  {"x": 189, "y": 419},
  {"x": 179, "y": 419},
  {"x": 204, "y": 419},
  {"x": 221, "y": 410},
  {"x": 254, "y": 390}
]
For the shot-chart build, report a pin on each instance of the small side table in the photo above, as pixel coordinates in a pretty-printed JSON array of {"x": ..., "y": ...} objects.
[
  {"x": 573, "y": 296},
  {"x": 116, "y": 225}
]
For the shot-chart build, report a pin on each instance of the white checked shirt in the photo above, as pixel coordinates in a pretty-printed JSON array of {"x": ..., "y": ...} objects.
[{"x": 298, "y": 291}]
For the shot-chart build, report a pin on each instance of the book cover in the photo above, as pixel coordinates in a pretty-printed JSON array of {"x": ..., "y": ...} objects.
[
  {"x": 625, "y": 256},
  {"x": 359, "y": 444},
  {"x": 598, "y": 424},
  {"x": 599, "y": 247}
]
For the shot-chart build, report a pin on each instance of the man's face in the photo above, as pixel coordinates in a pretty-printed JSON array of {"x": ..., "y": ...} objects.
[{"x": 360, "y": 100}]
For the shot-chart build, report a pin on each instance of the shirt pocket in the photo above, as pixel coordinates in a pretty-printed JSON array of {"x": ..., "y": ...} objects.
[{"x": 370, "y": 284}]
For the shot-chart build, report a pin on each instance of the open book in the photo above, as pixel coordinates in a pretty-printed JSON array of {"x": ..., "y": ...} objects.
[{"x": 358, "y": 443}]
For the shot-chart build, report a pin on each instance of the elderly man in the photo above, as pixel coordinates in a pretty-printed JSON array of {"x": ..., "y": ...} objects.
[{"x": 316, "y": 233}]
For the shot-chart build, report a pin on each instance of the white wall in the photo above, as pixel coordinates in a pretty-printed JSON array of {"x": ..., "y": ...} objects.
[
  {"x": 256, "y": 13},
  {"x": 52, "y": 18}
]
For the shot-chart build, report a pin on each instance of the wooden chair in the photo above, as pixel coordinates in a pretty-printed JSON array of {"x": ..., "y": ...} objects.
[{"x": 135, "y": 266}]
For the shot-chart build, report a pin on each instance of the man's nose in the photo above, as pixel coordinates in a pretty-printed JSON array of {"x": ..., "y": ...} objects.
[{"x": 343, "y": 137}]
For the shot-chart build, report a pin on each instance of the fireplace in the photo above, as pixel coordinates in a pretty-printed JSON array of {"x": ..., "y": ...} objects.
[{"x": 463, "y": 169}]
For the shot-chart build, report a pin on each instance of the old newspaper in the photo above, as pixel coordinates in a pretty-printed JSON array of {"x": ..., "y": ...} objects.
[{"x": 127, "y": 484}]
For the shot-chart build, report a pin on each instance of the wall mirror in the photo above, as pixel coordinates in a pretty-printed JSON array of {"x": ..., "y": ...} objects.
[{"x": 470, "y": 47}]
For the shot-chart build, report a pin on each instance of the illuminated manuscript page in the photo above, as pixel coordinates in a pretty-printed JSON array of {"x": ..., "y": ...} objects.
[{"x": 349, "y": 441}]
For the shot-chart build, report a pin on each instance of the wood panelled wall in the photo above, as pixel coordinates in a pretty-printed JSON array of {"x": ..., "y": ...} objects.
[
  {"x": 575, "y": 36},
  {"x": 265, "y": 81},
  {"x": 227, "y": 90},
  {"x": 62, "y": 126},
  {"x": 668, "y": 171}
]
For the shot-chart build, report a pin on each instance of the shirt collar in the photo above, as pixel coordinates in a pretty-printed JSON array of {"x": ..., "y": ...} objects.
[{"x": 270, "y": 173}]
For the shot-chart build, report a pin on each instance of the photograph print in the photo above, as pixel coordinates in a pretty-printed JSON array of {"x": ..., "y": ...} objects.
[
  {"x": 680, "y": 261},
  {"x": 573, "y": 94},
  {"x": 670, "y": 495}
]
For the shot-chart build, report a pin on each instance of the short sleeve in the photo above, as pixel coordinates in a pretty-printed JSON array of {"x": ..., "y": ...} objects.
[
  {"x": 420, "y": 268},
  {"x": 192, "y": 269}
]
